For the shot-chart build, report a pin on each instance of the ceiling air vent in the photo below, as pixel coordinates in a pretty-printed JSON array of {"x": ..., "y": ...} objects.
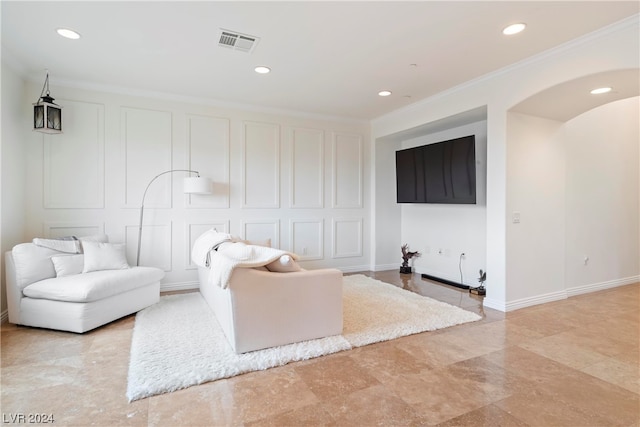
[{"x": 237, "y": 41}]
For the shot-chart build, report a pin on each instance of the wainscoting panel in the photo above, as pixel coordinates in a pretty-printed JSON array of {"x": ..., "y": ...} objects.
[
  {"x": 73, "y": 164},
  {"x": 146, "y": 148},
  {"x": 347, "y": 237},
  {"x": 208, "y": 146},
  {"x": 196, "y": 230},
  {"x": 155, "y": 250},
  {"x": 307, "y": 238},
  {"x": 307, "y": 169},
  {"x": 261, "y": 165},
  {"x": 53, "y": 230},
  {"x": 260, "y": 230},
  {"x": 348, "y": 164}
]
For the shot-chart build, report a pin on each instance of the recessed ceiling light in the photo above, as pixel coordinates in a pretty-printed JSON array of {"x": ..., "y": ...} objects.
[
  {"x": 600, "y": 90},
  {"x": 70, "y": 34},
  {"x": 514, "y": 29},
  {"x": 261, "y": 69},
  {"x": 384, "y": 93}
]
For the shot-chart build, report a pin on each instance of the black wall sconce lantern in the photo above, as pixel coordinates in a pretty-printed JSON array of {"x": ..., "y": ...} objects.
[{"x": 47, "y": 116}]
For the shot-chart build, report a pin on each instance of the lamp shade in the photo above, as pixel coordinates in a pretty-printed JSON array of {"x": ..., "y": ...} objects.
[{"x": 197, "y": 185}]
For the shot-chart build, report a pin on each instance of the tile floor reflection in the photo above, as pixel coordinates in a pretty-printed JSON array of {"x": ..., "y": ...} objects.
[{"x": 568, "y": 363}]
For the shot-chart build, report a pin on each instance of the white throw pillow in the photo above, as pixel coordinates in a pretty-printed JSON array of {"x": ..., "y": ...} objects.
[
  {"x": 284, "y": 264},
  {"x": 66, "y": 265},
  {"x": 60, "y": 245},
  {"x": 104, "y": 256},
  {"x": 100, "y": 238}
]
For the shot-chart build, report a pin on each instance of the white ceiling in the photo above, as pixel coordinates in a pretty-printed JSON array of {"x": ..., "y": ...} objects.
[
  {"x": 572, "y": 98},
  {"x": 328, "y": 58}
]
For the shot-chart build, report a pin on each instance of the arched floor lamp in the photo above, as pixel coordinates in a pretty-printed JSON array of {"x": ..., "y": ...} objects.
[{"x": 192, "y": 185}]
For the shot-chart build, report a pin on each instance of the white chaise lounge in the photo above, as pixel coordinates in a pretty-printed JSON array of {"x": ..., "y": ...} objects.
[{"x": 39, "y": 295}]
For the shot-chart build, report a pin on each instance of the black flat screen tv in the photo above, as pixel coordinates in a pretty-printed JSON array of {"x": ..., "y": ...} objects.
[{"x": 443, "y": 172}]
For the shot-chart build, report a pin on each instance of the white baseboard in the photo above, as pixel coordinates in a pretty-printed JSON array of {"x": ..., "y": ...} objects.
[
  {"x": 494, "y": 304},
  {"x": 559, "y": 295},
  {"x": 187, "y": 286},
  {"x": 386, "y": 267},
  {"x": 179, "y": 286},
  {"x": 353, "y": 269},
  {"x": 535, "y": 300},
  {"x": 584, "y": 289},
  {"x": 4, "y": 316}
]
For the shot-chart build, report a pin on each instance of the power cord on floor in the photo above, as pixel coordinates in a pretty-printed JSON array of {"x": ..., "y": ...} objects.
[{"x": 461, "y": 278}]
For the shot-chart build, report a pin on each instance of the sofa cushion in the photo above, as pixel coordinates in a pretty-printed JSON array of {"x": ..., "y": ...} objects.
[
  {"x": 284, "y": 264},
  {"x": 93, "y": 286},
  {"x": 61, "y": 245},
  {"x": 33, "y": 263},
  {"x": 66, "y": 265},
  {"x": 104, "y": 256},
  {"x": 100, "y": 238}
]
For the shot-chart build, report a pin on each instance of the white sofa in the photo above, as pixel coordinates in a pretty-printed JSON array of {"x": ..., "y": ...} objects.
[
  {"x": 261, "y": 309},
  {"x": 75, "y": 302}
]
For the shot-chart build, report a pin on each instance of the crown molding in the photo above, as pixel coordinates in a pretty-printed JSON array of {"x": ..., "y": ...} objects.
[
  {"x": 622, "y": 25},
  {"x": 120, "y": 90}
]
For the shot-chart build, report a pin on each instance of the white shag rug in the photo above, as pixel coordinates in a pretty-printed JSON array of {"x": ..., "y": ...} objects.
[{"x": 178, "y": 343}]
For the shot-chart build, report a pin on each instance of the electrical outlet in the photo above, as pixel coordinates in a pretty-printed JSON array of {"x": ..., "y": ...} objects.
[
  {"x": 586, "y": 260},
  {"x": 304, "y": 251},
  {"x": 515, "y": 217}
]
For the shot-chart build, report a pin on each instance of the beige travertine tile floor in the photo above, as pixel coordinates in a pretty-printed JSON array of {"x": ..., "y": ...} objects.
[{"x": 568, "y": 363}]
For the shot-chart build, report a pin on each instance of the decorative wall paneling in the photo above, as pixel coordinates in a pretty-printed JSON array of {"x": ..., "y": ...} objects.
[
  {"x": 348, "y": 170},
  {"x": 53, "y": 230},
  {"x": 208, "y": 152},
  {"x": 307, "y": 238},
  {"x": 260, "y": 230},
  {"x": 347, "y": 237},
  {"x": 73, "y": 162},
  {"x": 307, "y": 169},
  {"x": 261, "y": 165},
  {"x": 275, "y": 177},
  {"x": 193, "y": 231},
  {"x": 147, "y": 142},
  {"x": 156, "y": 248}
]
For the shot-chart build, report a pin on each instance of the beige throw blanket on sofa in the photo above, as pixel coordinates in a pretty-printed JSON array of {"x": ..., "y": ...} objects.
[
  {"x": 233, "y": 255},
  {"x": 221, "y": 253}
]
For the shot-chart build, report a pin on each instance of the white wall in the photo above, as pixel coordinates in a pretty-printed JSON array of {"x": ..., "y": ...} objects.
[
  {"x": 535, "y": 192},
  {"x": 12, "y": 165},
  {"x": 576, "y": 188},
  {"x": 387, "y": 212},
  {"x": 442, "y": 232},
  {"x": 302, "y": 182},
  {"x": 613, "y": 48},
  {"x": 603, "y": 197}
]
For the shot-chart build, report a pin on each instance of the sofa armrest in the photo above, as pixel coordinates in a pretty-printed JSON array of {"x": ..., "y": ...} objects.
[
  {"x": 14, "y": 293},
  {"x": 279, "y": 308}
]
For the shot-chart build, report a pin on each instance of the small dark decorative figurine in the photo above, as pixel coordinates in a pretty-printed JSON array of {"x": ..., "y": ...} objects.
[
  {"x": 406, "y": 256},
  {"x": 480, "y": 290}
]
